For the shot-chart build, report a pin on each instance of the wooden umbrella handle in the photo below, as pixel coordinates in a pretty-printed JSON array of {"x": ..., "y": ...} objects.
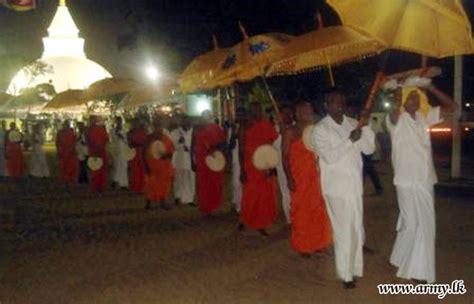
[
  {"x": 274, "y": 103},
  {"x": 370, "y": 100}
]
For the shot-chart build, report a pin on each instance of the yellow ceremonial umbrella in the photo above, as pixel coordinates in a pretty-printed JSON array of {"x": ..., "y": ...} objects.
[
  {"x": 324, "y": 47},
  {"x": 200, "y": 73},
  {"x": 148, "y": 95},
  {"x": 250, "y": 58},
  {"x": 109, "y": 87},
  {"x": 67, "y": 99},
  {"x": 428, "y": 27}
]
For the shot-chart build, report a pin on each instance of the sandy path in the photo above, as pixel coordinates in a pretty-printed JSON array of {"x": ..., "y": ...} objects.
[{"x": 72, "y": 247}]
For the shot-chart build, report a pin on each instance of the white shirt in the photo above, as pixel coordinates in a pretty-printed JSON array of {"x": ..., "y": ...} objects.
[
  {"x": 38, "y": 141},
  {"x": 340, "y": 159},
  {"x": 235, "y": 150},
  {"x": 411, "y": 147},
  {"x": 182, "y": 158},
  {"x": 119, "y": 142}
]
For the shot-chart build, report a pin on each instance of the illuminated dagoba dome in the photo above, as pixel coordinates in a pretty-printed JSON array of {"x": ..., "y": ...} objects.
[{"x": 64, "y": 53}]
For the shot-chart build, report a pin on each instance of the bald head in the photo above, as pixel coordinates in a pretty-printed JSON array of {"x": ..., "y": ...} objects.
[
  {"x": 287, "y": 114},
  {"x": 304, "y": 112}
]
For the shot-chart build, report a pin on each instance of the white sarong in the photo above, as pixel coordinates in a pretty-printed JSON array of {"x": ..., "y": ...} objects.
[
  {"x": 38, "y": 166},
  {"x": 414, "y": 249}
]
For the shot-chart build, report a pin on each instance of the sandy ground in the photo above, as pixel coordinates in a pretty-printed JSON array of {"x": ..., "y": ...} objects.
[{"x": 70, "y": 246}]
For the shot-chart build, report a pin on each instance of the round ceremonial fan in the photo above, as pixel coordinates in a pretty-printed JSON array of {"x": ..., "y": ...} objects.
[
  {"x": 265, "y": 157},
  {"x": 129, "y": 153},
  {"x": 215, "y": 161},
  {"x": 14, "y": 136},
  {"x": 158, "y": 148},
  {"x": 95, "y": 163}
]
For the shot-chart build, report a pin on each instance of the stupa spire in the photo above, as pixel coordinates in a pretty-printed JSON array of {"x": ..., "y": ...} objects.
[{"x": 63, "y": 35}]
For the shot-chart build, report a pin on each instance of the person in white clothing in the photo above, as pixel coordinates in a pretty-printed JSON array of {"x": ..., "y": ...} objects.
[
  {"x": 414, "y": 178},
  {"x": 339, "y": 143},
  {"x": 38, "y": 166},
  {"x": 185, "y": 180},
  {"x": 287, "y": 120},
  {"x": 120, "y": 163},
  {"x": 233, "y": 143}
]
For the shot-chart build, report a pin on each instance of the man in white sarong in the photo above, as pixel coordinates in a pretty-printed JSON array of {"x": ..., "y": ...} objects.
[
  {"x": 287, "y": 117},
  {"x": 414, "y": 178},
  {"x": 38, "y": 166},
  {"x": 339, "y": 144},
  {"x": 3, "y": 130},
  {"x": 185, "y": 180},
  {"x": 233, "y": 141},
  {"x": 120, "y": 163}
]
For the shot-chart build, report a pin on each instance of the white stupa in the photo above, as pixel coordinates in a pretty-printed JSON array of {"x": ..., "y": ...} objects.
[{"x": 64, "y": 52}]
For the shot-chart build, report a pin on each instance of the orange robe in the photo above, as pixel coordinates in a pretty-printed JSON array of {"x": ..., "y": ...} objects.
[
  {"x": 15, "y": 164},
  {"x": 69, "y": 163},
  {"x": 158, "y": 181},
  {"x": 259, "y": 191},
  {"x": 310, "y": 227},
  {"x": 209, "y": 183},
  {"x": 97, "y": 138},
  {"x": 136, "y": 166}
]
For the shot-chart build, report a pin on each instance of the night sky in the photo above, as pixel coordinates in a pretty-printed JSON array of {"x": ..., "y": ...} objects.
[{"x": 126, "y": 35}]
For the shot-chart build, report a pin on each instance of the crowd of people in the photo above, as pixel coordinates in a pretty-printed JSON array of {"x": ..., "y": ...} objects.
[{"x": 319, "y": 174}]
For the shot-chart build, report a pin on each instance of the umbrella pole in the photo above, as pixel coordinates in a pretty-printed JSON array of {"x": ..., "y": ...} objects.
[
  {"x": 230, "y": 104},
  {"x": 225, "y": 105},
  {"x": 456, "y": 142},
  {"x": 236, "y": 94},
  {"x": 369, "y": 104},
  {"x": 218, "y": 101},
  {"x": 274, "y": 103},
  {"x": 331, "y": 76}
]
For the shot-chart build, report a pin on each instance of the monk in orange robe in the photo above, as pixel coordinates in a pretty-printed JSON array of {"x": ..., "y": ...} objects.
[
  {"x": 259, "y": 195},
  {"x": 159, "y": 172},
  {"x": 66, "y": 148},
  {"x": 310, "y": 226},
  {"x": 136, "y": 140},
  {"x": 207, "y": 139},
  {"x": 15, "y": 161},
  {"x": 97, "y": 139}
]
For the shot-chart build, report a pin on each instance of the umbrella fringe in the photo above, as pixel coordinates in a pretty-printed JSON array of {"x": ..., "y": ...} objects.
[{"x": 321, "y": 67}]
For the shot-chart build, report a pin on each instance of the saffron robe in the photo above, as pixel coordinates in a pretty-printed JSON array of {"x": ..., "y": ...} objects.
[
  {"x": 159, "y": 179},
  {"x": 210, "y": 184},
  {"x": 136, "y": 172},
  {"x": 259, "y": 195},
  {"x": 68, "y": 161},
  {"x": 310, "y": 227},
  {"x": 97, "y": 138},
  {"x": 15, "y": 163}
]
